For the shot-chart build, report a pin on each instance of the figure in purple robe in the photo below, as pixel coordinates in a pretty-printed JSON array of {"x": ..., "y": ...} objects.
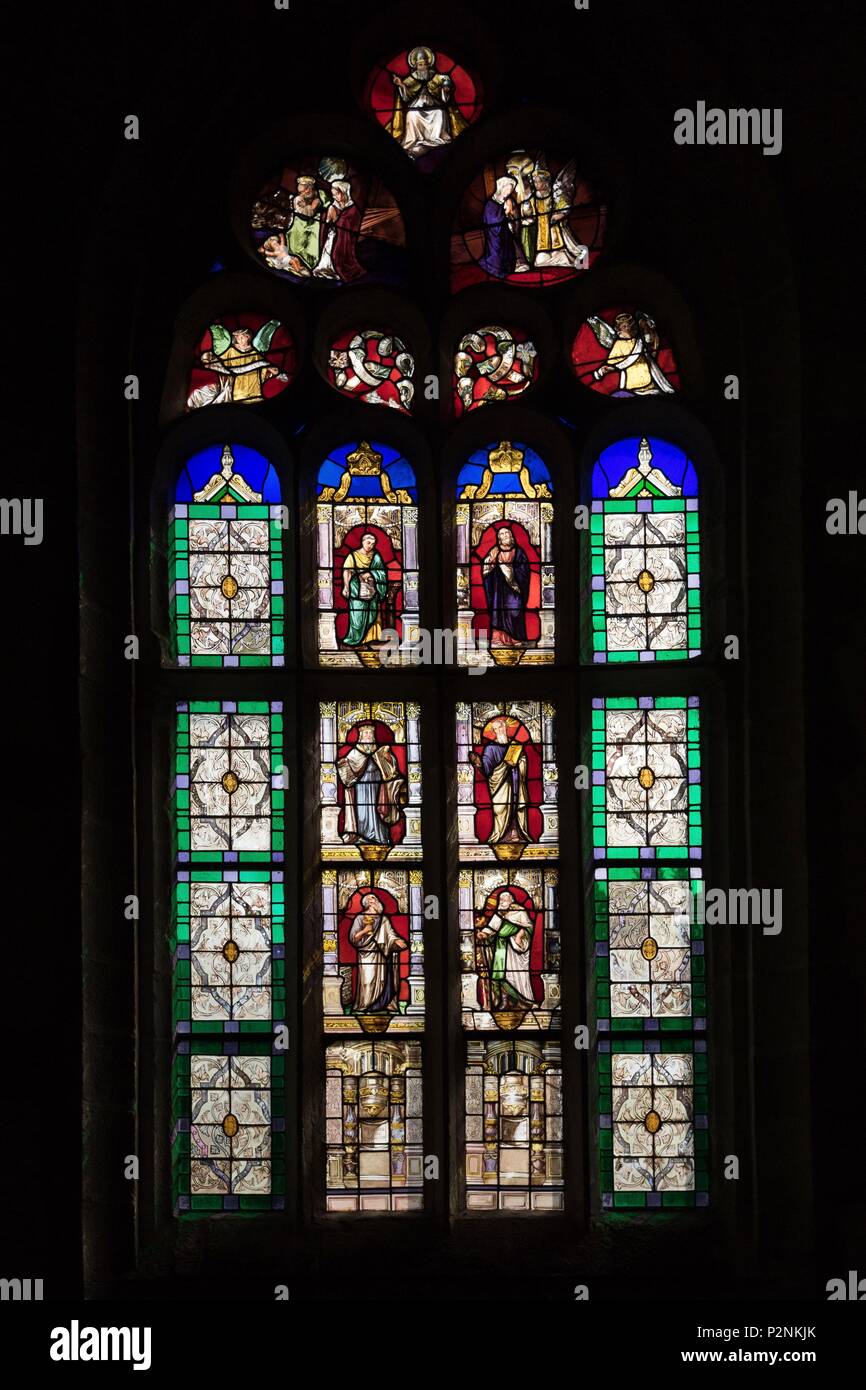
[
  {"x": 505, "y": 575},
  {"x": 500, "y": 252}
]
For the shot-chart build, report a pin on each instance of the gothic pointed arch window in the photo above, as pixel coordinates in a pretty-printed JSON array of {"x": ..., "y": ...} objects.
[{"x": 430, "y": 765}]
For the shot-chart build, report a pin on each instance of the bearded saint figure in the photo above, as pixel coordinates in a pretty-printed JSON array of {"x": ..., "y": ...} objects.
[
  {"x": 505, "y": 575},
  {"x": 503, "y": 937},
  {"x": 374, "y": 787},
  {"x": 377, "y": 982},
  {"x": 502, "y": 763},
  {"x": 425, "y": 114}
]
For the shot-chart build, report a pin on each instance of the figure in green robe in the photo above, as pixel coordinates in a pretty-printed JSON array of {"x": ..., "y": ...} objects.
[
  {"x": 365, "y": 584},
  {"x": 504, "y": 937},
  {"x": 305, "y": 231}
]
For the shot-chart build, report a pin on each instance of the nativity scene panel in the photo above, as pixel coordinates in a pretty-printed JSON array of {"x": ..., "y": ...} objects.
[{"x": 323, "y": 221}]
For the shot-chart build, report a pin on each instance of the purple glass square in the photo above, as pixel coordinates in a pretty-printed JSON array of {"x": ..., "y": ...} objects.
[
  {"x": 230, "y": 876},
  {"x": 597, "y": 702},
  {"x": 231, "y": 661},
  {"x": 694, "y": 581},
  {"x": 230, "y": 856},
  {"x": 279, "y": 1204},
  {"x": 601, "y": 948},
  {"x": 694, "y": 774},
  {"x": 647, "y": 873},
  {"x": 230, "y": 706},
  {"x": 653, "y": 1045},
  {"x": 644, "y": 504},
  {"x": 607, "y": 1200},
  {"x": 183, "y": 856},
  {"x": 646, "y": 702},
  {"x": 182, "y": 779},
  {"x": 276, "y": 706},
  {"x": 231, "y": 1027},
  {"x": 598, "y": 581},
  {"x": 598, "y": 658},
  {"x": 647, "y": 656},
  {"x": 702, "y": 1199},
  {"x": 598, "y": 853},
  {"x": 694, "y": 701},
  {"x": 183, "y": 1027},
  {"x": 231, "y": 1203},
  {"x": 276, "y": 586},
  {"x": 651, "y": 1025},
  {"x": 183, "y": 1204},
  {"x": 181, "y": 509},
  {"x": 182, "y": 709},
  {"x": 598, "y": 778},
  {"x": 228, "y": 511},
  {"x": 647, "y": 852},
  {"x": 654, "y": 1199}
]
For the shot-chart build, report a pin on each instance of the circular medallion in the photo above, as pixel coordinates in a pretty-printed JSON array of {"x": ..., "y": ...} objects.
[
  {"x": 230, "y": 782},
  {"x": 645, "y": 581},
  {"x": 229, "y": 586},
  {"x": 649, "y": 949},
  {"x": 646, "y": 777},
  {"x": 230, "y": 1126},
  {"x": 231, "y": 952},
  {"x": 652, "y": 1123}
]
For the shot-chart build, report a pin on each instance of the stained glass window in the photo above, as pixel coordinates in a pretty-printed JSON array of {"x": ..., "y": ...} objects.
[
  {"x": 370, "y": 781},
  {"x": 514, "y": 1156},
  {"x": 226, "y": 561},
  {"x": 621, "y": 353},
  {"x": 372, "y": 954},
  {"x": 229, "y": 951},
  {"x": 509, "y": 947},
  {"x": 526, "y": 219},
  {"x": 228, "y": 1141},
  {"x": 491, "y": 364},
  {"x": 653, "y": 1123},
  {"x": 507, "y": 834},
  {"x": 367, "y": 550},
  {"x": 373, "y": 950},
  {"x": 323, "y": 220},
  {"x": 506, "y": 595},
  {"x": 649, "y": 961},
  {"x": 243, "y": 359},
  {"x": 644, "y": 554},
  {"x": 424, "y": 99},
  {"x": 373, "y": 365},
  {"x": 373, "y": 1118},
  {"x": 506, "y": 781},
  {"x": 228, "y": 795},
  {"x": 646, "y": 775},
  {"x": 650, "y": 985}
]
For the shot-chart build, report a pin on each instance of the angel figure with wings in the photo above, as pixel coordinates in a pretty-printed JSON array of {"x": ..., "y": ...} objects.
[
  {"x": 237, "y": 357},
  {"x": 554, "y": 242},
  {"x": 632, "y": 345}
]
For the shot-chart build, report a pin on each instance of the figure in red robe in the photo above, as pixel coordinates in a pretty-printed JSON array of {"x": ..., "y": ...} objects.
[{"x": 342, "y": 225}]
